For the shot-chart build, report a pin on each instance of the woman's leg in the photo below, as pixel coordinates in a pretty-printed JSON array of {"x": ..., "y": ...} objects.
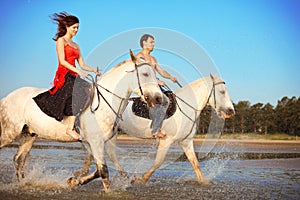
[{"x": 70, "y": 129}]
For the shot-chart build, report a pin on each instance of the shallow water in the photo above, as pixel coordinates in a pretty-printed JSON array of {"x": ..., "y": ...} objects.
[{"x": 236, "y": 171}]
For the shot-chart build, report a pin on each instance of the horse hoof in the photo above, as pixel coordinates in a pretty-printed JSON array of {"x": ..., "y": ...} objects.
[
  {"x": 106, "y": 185},
  {"x": 205, "y": 183},
  {"x": 124, "y": 175},
  {"x": 72, "y": 182},
  {"x": 137, "y": 180}
]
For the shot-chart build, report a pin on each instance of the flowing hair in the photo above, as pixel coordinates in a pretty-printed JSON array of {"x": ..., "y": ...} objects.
[{"x": 63, "y": 20}]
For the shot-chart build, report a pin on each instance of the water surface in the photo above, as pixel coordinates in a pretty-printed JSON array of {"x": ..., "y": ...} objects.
[{"x": 235, "y": 170}]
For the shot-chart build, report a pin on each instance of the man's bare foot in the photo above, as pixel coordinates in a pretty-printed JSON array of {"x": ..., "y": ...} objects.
[
  {"x": 159, "y": 135},
  {"x": 73, "y": 134}
]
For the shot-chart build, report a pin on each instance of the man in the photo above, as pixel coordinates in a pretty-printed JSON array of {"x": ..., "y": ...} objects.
[{"x": 157, "y": 114}]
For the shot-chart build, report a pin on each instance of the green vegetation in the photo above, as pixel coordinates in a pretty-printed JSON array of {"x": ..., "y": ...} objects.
[{"x": 258, "y": 121}]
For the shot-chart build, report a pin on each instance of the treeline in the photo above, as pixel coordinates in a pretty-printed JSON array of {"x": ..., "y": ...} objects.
[{"x": 259, "y": 118}]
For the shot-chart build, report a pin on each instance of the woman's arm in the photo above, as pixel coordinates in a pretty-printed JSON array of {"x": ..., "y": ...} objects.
[{"x": 85, "y": 66}]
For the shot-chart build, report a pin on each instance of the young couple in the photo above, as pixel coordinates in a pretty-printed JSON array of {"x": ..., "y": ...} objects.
[{"x": 57, "y": 102}]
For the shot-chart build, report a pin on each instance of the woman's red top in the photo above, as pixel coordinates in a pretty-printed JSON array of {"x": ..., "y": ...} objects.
[{"x": 71, "y": 54}]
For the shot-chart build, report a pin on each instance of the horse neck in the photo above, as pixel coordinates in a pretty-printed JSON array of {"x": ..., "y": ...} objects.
[
  {"x": 117, "y": 81},
  {"x": 196, "y": 94}
]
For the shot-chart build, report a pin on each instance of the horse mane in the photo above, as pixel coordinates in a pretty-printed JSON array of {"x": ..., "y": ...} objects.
[
  {"x": 117, "y": 66},
  {"x": 122, "y": 63}
]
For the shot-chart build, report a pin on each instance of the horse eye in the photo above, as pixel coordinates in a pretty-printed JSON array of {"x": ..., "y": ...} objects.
[
  {"x": 222, "y": 92},
  {"x": 145, "y": 74}
]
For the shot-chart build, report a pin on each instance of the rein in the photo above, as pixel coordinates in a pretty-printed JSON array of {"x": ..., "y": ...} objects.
[
  {"x": 138, "y": 77},
  {"x": 213, "y": 91},
  {"x": 96, "y": 86}
]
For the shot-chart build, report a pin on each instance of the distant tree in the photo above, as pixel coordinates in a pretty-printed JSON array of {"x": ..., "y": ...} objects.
[
  {"x": 287, "y": 114},
  {"x": 267, "y": 117},
  {"x": 281, "y": 115},
  {"x": 242, "y": 114},
  {"x": 204, "y": 119},
  {"x": 284, "y": 118},
  {"x": 230, "y": 124},
  {"x": 255, "y": 120},
  {"x": 297, "y": 117},
  {"x": 292, "y": 115}
]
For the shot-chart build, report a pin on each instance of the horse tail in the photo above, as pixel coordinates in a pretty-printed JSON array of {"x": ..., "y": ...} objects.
[{"x": 5, "y": 126}]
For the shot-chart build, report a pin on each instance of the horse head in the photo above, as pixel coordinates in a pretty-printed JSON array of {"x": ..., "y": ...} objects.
[
  {"x": 219, "y": 98},
  {"x": 146, "y": 82}
]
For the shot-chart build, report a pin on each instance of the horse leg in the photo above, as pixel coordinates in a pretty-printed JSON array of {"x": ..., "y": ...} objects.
[
  {"x": 163, "y": 147},
  {"x": 188, "y": 148},
  {"x": 111, "y": 152},
  {"x": 87, "y": 163},
  {"x": 97, "y": 150},
  {"x": 26, "y": 142},
  {"x": 72, "y": 181},
  {"x": 83, "y": 173}
]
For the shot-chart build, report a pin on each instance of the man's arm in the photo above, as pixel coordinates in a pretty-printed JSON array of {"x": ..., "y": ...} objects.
[{"x": 163, "y": 72}]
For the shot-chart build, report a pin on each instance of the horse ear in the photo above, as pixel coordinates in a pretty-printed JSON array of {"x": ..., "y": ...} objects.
[
  {"x": 211, "y": 76},
  {"x": 133, "y": 58}
]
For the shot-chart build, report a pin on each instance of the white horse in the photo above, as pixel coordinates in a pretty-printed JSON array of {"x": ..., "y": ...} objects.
[
  {"x": 180, "y": 127},
  {"x": 20, "y": 117}
]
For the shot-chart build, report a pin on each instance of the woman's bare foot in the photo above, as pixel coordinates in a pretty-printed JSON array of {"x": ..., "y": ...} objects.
[{"x": 73, "y": 134}]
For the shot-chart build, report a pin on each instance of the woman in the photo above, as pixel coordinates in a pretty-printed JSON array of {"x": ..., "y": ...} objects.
[{"x": 57, "y": 102}]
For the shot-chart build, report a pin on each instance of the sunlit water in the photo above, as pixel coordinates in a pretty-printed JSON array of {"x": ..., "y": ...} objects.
[{"x": 50, "y": 164}]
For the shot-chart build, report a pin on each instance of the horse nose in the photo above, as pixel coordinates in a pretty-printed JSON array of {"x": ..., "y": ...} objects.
[
  {"x": 231, "y": 112},
  {"x": 153, "y": 99},
  {"x": 148, "y": 100},
  {"x": 158, "y": 98}
]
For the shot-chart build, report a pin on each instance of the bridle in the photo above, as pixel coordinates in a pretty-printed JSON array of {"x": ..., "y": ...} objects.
[
  {"x": 99, "y": 94},
  {"x": 213, "y": 91},
  {"x": 138, "y": 76}
]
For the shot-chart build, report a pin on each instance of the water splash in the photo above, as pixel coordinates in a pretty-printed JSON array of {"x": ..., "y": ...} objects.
[{"x": 40, "y": 177}]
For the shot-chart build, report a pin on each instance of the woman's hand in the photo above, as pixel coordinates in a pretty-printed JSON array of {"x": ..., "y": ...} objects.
[
  {"x": 82, "y": 74},
  {"x": 96, "y": 71}
]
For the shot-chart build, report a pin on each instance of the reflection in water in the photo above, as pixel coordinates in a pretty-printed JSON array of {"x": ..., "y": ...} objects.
[{"x": 233, "y": 175}]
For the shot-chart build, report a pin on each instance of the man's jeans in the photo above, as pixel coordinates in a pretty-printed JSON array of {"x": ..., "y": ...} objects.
[{"x": 157, "y": 114}]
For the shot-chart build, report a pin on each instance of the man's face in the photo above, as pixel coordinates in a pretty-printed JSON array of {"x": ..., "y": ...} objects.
[{"x": 149, "y": 44}]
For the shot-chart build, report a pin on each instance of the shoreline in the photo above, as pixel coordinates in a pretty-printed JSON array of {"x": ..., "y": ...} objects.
[{"x": 123, "y": 138}]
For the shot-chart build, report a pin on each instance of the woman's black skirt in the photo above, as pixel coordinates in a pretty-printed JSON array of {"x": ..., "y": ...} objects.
[{"x": 69, "y": 100}]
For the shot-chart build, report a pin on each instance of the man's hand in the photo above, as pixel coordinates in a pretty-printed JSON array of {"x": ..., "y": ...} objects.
[
  {"x": 98, "y": 73},
  {"x": 174, "y": 79},
  {"x": 161, "y": 83}
]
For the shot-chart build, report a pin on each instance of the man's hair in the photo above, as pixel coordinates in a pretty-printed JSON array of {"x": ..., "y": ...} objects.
[{"x": 145, "y": 38}]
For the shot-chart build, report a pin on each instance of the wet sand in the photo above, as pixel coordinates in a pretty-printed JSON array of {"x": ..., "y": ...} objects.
[
  {"x": 248, "y": 145},
  {"x": 230, "y": 178}
]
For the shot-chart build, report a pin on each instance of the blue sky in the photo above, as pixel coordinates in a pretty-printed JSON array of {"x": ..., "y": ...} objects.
[{"x": 254, "y": 44}]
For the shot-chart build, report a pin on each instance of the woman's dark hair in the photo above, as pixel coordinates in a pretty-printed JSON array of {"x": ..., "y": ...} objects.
[
  {"x": 63, "y": 20},
  {"x": 145, "y": 38}
]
